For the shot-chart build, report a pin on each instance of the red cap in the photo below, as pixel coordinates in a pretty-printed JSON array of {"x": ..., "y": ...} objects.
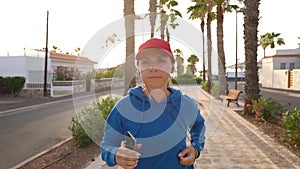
[{"x": 158, "y": 44}]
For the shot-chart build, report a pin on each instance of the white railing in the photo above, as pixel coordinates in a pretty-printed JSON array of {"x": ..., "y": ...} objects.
[
  {"x": 59, "y": 88},
  {"x": 67, "y": 87}
]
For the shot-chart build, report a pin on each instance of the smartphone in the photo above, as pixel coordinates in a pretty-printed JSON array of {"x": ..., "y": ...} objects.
[{"x": 130, "y": 141}]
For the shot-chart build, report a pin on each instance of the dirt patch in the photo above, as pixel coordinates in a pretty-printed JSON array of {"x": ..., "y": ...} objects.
[
  {"x": 66, "y": 156},
  {"x": 273, "y": 131}
]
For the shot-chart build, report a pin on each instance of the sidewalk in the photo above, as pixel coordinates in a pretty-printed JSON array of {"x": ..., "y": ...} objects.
[{"x": 232, "y": 142}]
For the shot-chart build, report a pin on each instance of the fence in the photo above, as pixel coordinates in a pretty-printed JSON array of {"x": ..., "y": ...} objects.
[
  {"x": 59, "y": 88},
  {"x": 67, "y": 87}
]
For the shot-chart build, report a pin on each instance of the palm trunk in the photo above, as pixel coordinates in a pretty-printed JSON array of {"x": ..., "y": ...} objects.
[
  {"x": 221, "y": 54},
  {"x": 129, "y": 15},
  {"x": 202, "y": 29},
  {"x": 163, "y": 22},
  {"x": 168, "y": 34},
  {"x": 251, "y": 76},
  {"x": 209, "y": 49},
  {"x": 152, "y": 10}
]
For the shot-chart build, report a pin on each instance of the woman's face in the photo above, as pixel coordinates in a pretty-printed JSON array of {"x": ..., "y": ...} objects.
[{"x": 155, "y": 69}]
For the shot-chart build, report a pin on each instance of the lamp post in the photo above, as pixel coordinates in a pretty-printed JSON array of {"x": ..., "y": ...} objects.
[
  {"x": 237, "y": 9},
  {"x": 236, "y": 46}
]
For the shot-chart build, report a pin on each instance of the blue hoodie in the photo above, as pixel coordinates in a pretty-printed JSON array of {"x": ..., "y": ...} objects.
[{"x": 161, "y": 128}]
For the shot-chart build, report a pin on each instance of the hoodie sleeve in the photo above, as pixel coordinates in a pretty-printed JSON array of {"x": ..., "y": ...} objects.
[
  {"x": 198, "y": 133},
  {"x": 112, "y": 137}
]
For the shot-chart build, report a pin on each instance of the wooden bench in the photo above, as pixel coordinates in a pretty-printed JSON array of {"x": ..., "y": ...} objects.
[{"x": 233, "y": 96}]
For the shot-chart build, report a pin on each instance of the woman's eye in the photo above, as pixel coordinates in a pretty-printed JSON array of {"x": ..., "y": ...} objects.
[
  {"x": 144, "y": 62},
  {"x": 161, "y": 61}
]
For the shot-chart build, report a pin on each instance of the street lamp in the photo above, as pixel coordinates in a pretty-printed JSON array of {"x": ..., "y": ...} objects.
[
  {"x": 236, "y": 50},
  {"x": 237, "y": 9}
]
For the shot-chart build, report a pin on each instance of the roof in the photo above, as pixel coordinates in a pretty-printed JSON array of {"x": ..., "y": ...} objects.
[
  {"x": 286, "y": 53},
  {"x": 243, "y": 65},
  {"x": 62, "y": 56},
  {"x": 283, "y": 55}
]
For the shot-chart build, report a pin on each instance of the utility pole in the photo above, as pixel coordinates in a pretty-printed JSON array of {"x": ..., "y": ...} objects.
[
  {"x": 46, "y": 59},
  {"x": 236, "y": 49}
]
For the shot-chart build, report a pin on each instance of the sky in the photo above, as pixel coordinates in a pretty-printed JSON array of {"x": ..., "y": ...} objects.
[{"x": 73, "y": 22}]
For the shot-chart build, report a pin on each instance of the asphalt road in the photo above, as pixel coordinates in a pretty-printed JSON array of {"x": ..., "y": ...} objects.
[
  {"x": 285, "y": 97},
  {"x": 26, "y": 132}
]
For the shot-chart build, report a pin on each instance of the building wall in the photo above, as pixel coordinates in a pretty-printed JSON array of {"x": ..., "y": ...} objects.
[
  {"x": 287, "y": 61},
  {"x": 280, "y": 79},
  {"x": 296, "y": 79},
  {"x": 12, "y": 66},
  {"x": 267, "y": 72},
  {"x": 275, "y": 76},
  {"x": 32, "y": 68},
  {"x": 36, "y": 68}
]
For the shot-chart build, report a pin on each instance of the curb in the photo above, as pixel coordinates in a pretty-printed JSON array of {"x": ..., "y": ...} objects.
[{"x": 40, "y": 154}]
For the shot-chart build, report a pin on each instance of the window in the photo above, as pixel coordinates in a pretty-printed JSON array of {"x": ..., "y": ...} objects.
[
  {"x": 292, "y": 65},
  {"x": 282, "y": 66}
]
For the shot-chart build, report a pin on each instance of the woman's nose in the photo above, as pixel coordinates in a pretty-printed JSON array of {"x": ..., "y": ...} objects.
[{"x": 152, "y": 69}]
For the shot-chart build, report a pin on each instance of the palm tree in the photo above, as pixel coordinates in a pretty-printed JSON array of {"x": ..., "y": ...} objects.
[
  {"x": 208, "y": 6},
  {"x": 167, "y": 12},
  {"x": 179, "y": 60},
  {"x": 77, "y": 50},
  {"x": 268, "y": 39},
  {"x": 210, "y": 17},
  {"x": 56, "y": 49},
  {"x": 199, "y": 11},
  {"x": 152, "y": 18},
  {"x": 221, "y": 5},
  {"x": 251, "y": 17},
  {"x": 193, "y": 59},
  {"x": 129, "y": 15}
]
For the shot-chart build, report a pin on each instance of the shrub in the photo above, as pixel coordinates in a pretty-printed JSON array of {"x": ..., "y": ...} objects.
[
  {"x": 291, "y": 122},
  {"x": 2, "y": 87},
  {"x": 267, "y": 109},
  {"x": 106, "y": 105},
  {"x": 205, "y": 86},
  {"x": 216, "y": 91},
  {"x": 186, "y": 79},
  {"x": 89, "y": 124},
  {"x": 78, "y": 133},
  {"x": 63, "y": 73},
  {"x": 173, "y": 80},
  {"x": 13, "y": 85},
  {"x": 198, "y": 80}
]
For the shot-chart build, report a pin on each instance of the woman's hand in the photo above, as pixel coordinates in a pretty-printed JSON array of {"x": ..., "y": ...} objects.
[
  {"x": 188, "y": 156},
  {"x": 127, "y": 158}
]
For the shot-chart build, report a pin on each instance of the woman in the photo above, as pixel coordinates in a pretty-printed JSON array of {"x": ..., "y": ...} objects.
[{"x": 159, "y": 117}]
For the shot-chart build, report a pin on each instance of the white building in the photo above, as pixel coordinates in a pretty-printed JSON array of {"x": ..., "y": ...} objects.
[
  {"x": 83, "y": 64},
  {"x": 33, "y": 67},
  {"x": 282, "y": 70}
]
